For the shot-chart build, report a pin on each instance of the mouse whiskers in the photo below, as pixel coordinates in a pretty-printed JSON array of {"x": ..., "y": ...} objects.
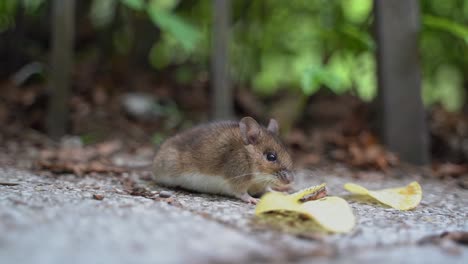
[
  {"x": 243, "y": 175},
  {"x": 264, "y": 179}
]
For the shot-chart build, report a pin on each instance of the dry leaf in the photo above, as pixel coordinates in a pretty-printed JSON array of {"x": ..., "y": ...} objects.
[
  {"x": 449, "y": 170},
  {"x": 81, "y": 160}
]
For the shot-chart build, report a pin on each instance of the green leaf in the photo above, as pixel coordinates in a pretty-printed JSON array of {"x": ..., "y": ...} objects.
[
  {"x": 137, "y": 5},
  {"x": 339, "y": 68},
  {"x": 356, "y": 11},
  {"x": 305, "y": 63},
  {"x": 31, "y": 6},
  {"x": 275, "y": 71},
  {"x": 429, "y": 92},
  {"x": 184, "y": 75},
  {"x": 449, "y": 83},
  {"x": 444, "y": 86},
  {"x": 361, "y": 36},
  {"x": 185, "y": 33},
  {"x": 7, "y": 13},
  {"x": 310, "y": 82},
  {"x": 166, "y": 5},
  {"x": 336, "y": 75},
  {"x": 102, "y": 12},
  {"x": 465, "y": 9},
  {"x": 445, "y": 8},
  {"x": 440, "y": 23},
  {"x": 365, "y": 76},
  {"x": 165, "y": 52}
]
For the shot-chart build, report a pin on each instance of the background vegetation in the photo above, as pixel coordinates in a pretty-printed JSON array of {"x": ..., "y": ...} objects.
[{"x": 296, "y": 45}]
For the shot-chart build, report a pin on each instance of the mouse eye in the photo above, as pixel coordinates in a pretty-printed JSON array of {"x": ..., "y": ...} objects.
[{"x": 271, "y": 156}]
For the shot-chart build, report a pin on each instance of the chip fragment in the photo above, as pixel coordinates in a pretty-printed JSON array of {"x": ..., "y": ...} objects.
[
  {"x": 331, "y": 213},
  {"x": 402, "y": 198}
]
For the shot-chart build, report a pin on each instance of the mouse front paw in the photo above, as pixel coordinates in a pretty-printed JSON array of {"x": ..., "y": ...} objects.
[{"x": 248, "y": 199}]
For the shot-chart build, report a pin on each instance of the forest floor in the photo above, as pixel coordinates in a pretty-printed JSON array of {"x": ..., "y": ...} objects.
[{"x": 124, "y": 218}]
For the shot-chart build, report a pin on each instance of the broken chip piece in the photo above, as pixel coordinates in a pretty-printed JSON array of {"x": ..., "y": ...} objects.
[
  {"x": 311, "y": 193},
  {"x": 403, "y": 198},
  {"x": 331, "y": 213}
]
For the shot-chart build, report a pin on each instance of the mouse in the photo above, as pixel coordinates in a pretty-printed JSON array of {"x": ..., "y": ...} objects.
[{"x": 237, "y": 159}]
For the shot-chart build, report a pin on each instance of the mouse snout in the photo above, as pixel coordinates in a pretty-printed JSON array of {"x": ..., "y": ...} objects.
[{"x": 286, "y": 176}]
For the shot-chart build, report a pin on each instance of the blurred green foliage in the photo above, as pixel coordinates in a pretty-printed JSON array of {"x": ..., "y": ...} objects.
[
  {"x": 444, "y": 49},
  {"x": 7, "y": 11},
  {"x": 298, "y": 44}
]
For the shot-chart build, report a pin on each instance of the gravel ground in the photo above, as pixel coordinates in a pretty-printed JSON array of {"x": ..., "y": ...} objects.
[{"x": 71, "y": 219}]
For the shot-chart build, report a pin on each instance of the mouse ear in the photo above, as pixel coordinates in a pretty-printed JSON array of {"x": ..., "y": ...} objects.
[
  {"x": 273, "y": 126},
  {"x": 250, "y": 130}
]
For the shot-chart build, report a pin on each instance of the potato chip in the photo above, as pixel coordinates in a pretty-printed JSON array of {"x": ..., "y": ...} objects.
[
  {"x": 331, "y": 213},
  {"x": 403, "y": 198},
  {"x": 311, "y": 193}
]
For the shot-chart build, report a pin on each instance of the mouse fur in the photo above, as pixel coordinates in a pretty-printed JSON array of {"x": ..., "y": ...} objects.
[{"x": 227, "y": 157}]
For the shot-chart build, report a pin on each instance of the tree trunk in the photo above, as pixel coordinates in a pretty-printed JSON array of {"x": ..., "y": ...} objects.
[
  {"x": 401, "y": 112},
  {"x": 63, "y": 24},
  {"x": 222, "y": 100}
]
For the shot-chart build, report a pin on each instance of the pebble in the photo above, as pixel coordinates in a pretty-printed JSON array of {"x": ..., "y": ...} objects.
[
  {"x": 165, "y": 194},
  {"x": 98, "y": 197}
]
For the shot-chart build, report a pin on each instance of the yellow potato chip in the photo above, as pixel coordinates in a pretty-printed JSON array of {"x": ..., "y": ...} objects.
[
  {"x": 311, "y": 193},
  {"x": 332, "y": 213},
  {"x": 403, "y": 198}
]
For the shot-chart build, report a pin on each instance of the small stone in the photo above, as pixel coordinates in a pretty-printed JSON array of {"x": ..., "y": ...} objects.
[
  {"x": 98, "y": 197},
  {"x": 463, "y": 183},
  {"x": 165, "y": 194}
]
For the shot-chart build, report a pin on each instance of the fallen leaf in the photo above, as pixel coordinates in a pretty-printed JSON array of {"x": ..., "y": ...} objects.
[
  {"x": 130, "y": 187},
  {"x": 296, "y": 139},
  {"x": 78, "y": 168},
  {"x": 308, "y": 160},
  {"x": 81, "y": 160},
  {"x": 108, "y": 148},
  {"x": 362, "y": 151},
  {"x": 403, "y": 198},
  {"x": 449, "y": 170}
]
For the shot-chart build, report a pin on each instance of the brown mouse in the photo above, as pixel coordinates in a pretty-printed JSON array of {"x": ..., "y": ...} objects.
[{"x": 236, "y": 159}]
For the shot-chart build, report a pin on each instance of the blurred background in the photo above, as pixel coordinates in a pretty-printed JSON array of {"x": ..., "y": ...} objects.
[{"x": 136, "y": 72}]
